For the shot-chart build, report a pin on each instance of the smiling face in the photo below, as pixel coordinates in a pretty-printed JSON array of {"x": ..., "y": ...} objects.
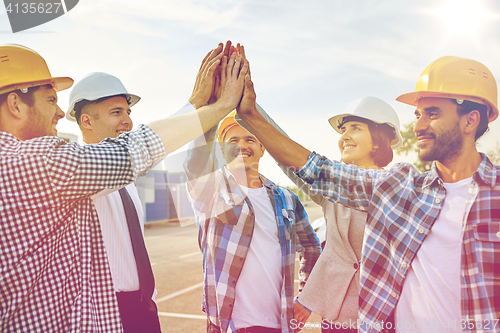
[
  {"x": 107, "y": 119},
  {"x": 356, "y": 144},
  {"x": 43, "y": 116},
  {"x": 244, "y": 152},
  {"x": 438, "y": 131}
]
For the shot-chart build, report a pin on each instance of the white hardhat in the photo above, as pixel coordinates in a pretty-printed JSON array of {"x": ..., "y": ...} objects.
[
  {"x": 374, "y": 109},
  {"x": 94, "y": 86}
]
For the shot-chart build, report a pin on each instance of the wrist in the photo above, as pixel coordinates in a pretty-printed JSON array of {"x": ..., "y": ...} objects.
[{"x": 197, "y": 102}]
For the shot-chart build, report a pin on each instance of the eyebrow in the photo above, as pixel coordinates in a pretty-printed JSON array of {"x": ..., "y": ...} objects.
[
  {"x": 428, "y": 109},
  {"x": 242, "y": 137},
  {"x": 353, "y": 125}
]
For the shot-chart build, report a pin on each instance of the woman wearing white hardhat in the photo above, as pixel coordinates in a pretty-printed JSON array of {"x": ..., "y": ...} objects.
[{"x": 369, "y": 129}]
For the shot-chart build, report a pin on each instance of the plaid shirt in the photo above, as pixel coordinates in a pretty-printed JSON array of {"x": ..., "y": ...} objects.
[
  {"x": 225, "y": 220},
  {"x": 402, "y": 205},
  {"x": 54, "y": 273}
]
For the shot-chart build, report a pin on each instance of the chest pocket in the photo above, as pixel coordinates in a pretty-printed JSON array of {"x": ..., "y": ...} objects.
[
  {"x": 228, "y": 207},
  {"x": 489, "y": 236}
]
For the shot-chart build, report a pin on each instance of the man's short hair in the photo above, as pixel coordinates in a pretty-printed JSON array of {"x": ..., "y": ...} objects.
[
  {"x": 468, "y": 106},
  {"x": 26, "y": 97}
]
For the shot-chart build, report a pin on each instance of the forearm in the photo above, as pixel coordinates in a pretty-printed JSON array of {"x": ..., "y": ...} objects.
[
  {"x": 200, "y": 158},
  {"x": 283, "y": 149},
  {"x": 176, "y": 131}
]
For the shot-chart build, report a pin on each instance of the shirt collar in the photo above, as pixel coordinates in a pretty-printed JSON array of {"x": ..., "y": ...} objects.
[{"x": 486, "y": 172}]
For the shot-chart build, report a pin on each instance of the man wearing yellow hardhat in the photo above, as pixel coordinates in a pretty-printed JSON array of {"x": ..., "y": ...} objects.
[
  {"x": 249, "y": 231},
  {"x": 431, "y": 253},
  {"x": 54, "y": 271}
]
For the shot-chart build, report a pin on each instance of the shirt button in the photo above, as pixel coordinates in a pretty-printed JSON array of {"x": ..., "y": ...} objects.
[
  {"x": 355, "y": 266},
  {"x": 230, "y": 305},
  {"x": 421, "y": 230},
  {"x": 394, "y": 295},
  {"x": 403, "y": 265},
  {"x": 498, "y": 234},
  {"x": 438, "y": 200}
]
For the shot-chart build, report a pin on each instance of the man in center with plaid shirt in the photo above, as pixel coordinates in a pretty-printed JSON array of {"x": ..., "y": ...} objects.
[{"x": 249, "y": 231}]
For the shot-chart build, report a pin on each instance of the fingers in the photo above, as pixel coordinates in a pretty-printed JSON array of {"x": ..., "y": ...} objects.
[
  {"x": 245, "y": 69},
  {"x": 227, "y": 49},
  {"x": 212, "y": 65},
  {"x": 223, "y": 71},
  {"x": 230, "y": 65},
  {"x": 211, "y": 54}
]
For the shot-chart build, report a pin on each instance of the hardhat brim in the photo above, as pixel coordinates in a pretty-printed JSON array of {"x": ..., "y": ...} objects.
[
  {"x": 412, "y": 98},
  {"x": 334, "y": 122},
  {"x": 59, "y": 84},
  {"x": 228, "y": 121},
  {"x": 70, "y": 114}
]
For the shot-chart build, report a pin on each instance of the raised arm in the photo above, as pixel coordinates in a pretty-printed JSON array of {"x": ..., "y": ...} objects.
[
  {"x": 315, "y": 196},
  {"x": 282, "y": 148},
  {"x": 176, "y": 131}
]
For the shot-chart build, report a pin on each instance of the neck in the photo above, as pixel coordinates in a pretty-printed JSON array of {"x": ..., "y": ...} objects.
[
  {"x": 88, "y": 139},
  {"x": 250, "y": 179},
  {"x": 459, "y": 168}
]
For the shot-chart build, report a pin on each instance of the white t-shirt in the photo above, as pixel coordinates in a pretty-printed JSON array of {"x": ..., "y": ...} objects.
[
  {"x": 430, "y": 299},
  {"x": 258, "y": 290}
]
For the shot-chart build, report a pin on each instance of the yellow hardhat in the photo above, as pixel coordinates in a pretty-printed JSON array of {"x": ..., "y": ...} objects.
[
  {"x": 21, "y": 68},
  {"x": 226, "y": 124},
  {"x": 456, "y": 78}
]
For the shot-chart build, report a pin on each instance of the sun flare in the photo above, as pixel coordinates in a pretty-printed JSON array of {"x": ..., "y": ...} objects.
[{"x": 464, "y": 17}]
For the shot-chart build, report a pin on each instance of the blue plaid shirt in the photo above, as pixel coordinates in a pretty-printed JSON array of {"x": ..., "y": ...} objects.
[
  {"x": 402, "y": 206},
  {"x": 225, "y": 220}
]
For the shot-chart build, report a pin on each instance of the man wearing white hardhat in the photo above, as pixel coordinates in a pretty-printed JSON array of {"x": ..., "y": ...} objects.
[
  {"x": 100, "y": 104},
  {"x": 55, "y": 275},
  {"x": 431, "y": 254}
]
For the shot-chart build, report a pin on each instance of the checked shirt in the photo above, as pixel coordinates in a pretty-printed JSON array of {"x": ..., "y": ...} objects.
[
  {"x": 402, "y": 206},
  {"x": 54, "y": 273},
  {"x": 225, "y": 220}
]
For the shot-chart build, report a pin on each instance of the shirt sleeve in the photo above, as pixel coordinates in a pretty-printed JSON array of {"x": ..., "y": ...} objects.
[
  {"x": 308, "y": 243},
  {"x": 316, "y": 197},
  {"x": 340, "y": 182},
  {"x": 78, "y": 171}
]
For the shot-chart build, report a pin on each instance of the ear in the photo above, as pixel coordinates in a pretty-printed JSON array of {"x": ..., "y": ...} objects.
[
  {"x": 262, "y": 150},
  {"x": 86, "y": 121},
  {"x": 16, "y": 107},
  {"x": 471, "y": 122}
]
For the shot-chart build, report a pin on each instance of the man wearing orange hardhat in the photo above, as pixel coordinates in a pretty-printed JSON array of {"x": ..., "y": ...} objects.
[
  {"x": 249, "y": 231},
  {"x": 431, "y": 256},
  {"x": 54, "y": 271}
]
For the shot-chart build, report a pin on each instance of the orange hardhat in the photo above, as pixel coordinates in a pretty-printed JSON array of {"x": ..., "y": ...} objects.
[
  {"x": 456, "y": 78},
  {"x": 22, "y": 68},
  {"x": 226, "y": 124}
]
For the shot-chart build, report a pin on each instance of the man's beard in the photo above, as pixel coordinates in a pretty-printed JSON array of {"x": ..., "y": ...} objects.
[{"x": 446, "y": 147}]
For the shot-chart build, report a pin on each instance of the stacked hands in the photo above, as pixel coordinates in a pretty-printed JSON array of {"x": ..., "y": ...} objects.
[{"x": 224, "y": 77}]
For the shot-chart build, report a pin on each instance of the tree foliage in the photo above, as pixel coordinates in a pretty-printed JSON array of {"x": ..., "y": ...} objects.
[
  {"x": 494, "y": 154},
  {"x": 410, "y": 146}
]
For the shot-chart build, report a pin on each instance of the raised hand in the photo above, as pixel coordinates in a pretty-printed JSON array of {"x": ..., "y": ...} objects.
[
  {"x": 247, "y": 104},
  {"x": 232, "y": 80},
  {"x": 205, "y": 79}
]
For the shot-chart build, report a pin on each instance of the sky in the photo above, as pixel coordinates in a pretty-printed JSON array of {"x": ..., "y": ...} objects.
[{"x": 309, "y": 59}]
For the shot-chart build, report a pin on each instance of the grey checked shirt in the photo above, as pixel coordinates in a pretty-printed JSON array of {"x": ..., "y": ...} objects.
[{"x": 54, "y": 273}]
